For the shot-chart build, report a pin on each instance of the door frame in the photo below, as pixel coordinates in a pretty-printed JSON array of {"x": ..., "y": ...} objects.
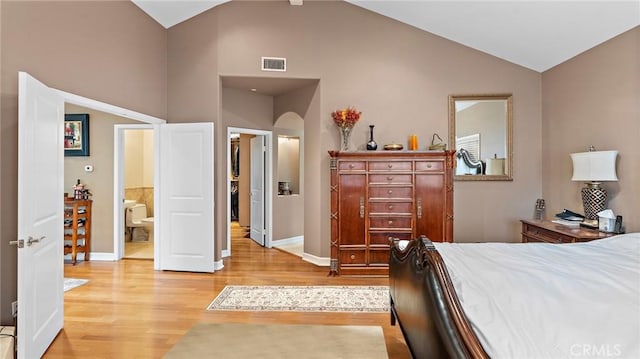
[
  {"x": 268, "y": 173},
  {"x": 126, "y": 113},
  {"x": 118, "y": 184}
]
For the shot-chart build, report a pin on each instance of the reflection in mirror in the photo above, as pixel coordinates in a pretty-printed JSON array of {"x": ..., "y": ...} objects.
[
  {"x": 288, "y": 165},
  {"x": 480, "y": 130}
]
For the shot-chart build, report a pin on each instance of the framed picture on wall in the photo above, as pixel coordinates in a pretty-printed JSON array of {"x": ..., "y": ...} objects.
[{"x": 76, "y": 135}]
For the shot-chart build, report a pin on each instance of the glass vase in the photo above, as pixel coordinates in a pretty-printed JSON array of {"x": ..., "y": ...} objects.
[{"x": 345, "y": 133}]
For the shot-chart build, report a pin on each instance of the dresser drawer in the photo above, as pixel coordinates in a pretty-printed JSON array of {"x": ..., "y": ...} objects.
[
  {"x": 379, "y": 257},
  {"x": 351, "y": 165},
  {"x": 391, "y": 192},
  {"x": 390, "y": 166},
  {"x": 383, "y": 237},
  {"x": 430, "y": 166},
  {"x": 537, "y": 234},
  {"x": 352, "y": 256},
  {"x": 390, "y": 207},
  {"x": 390, "y": 223},
  {"x": 391, "y": 178}
]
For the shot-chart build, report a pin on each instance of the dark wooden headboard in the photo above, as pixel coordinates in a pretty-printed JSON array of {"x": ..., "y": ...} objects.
[{"x": 425, "y": 305}]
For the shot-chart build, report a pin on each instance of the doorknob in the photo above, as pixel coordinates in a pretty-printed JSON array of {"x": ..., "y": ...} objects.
[
  {"x": 32, "y": 240},
  {"x": 19, "y": 243}
]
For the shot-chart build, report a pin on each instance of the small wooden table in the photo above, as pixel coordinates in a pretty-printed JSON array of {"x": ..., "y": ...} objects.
[
  {"x": 550, "y": 232},
  {"x": 77, "y": 227}
]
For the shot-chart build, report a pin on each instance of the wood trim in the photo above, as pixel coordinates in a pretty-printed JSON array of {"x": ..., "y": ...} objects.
[
  {"x": 362, "y": 183},
  {"x": 430, "y": 254},
  {"x": 418, "y": 271}
]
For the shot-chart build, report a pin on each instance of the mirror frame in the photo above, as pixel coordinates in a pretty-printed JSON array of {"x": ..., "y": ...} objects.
[{"x": 508, "y": 166}]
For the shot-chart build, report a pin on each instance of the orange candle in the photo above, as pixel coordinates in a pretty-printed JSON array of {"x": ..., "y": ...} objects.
[{"x": 413, "y": 142}]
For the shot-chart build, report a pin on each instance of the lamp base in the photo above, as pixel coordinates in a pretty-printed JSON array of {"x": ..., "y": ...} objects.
[{"x": 593, "y": 200}]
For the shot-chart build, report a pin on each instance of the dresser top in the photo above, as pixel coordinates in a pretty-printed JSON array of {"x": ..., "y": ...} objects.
[
  {"x": 577, "y": 232},
  {"x": 389, "y": 154}
]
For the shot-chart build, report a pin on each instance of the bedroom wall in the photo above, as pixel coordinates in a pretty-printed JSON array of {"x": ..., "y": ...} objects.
[
  {"x": 110, "y": 51},
  {"x": 593, "y": 99},
  {"x": 242, "y": 109},
  {"x": 100, "y": 181},
  {"x": 401, "y": 87}
]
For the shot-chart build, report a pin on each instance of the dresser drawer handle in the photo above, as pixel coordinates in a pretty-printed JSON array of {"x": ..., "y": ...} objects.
[
  {"x": 390, "y": 165},
  {"x": 353, "y": 256},
  {"x": 390, "y": 222},
  {"x": 389, "y": 178},
  {"x": 351, "y": 166},
  {"x": 390, "y": 207},
  {"x": 429, "y": 165},
  {"x": 390, "y": 191}
]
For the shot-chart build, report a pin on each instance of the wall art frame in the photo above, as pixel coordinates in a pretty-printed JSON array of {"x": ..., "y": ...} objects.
[{"x": 76, "y": 135}]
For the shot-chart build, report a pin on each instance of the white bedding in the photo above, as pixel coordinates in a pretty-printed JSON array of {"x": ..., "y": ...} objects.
[{"x": 540, "y": 300}]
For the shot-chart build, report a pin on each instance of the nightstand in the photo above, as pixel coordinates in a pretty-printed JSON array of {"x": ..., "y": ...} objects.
[{"x": 550, "y": 232}]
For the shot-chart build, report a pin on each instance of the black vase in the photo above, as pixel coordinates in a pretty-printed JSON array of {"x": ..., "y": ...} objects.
[{"x": 371, "y": 145}]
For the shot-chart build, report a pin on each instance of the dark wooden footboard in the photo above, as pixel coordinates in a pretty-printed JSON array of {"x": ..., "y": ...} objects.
[{"x": 425, "y": 305}]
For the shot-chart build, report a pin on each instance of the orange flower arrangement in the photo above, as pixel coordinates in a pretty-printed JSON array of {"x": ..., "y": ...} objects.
[{"x": 346, "y": 118}]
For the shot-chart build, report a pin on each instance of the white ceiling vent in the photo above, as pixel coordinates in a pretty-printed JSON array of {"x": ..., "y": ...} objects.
[{"x": 274, "y": 64}]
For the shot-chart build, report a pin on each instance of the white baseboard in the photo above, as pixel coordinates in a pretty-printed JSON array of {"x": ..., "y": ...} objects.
[
  {"x": 224, "y": 253},
  {"x": 319, "y": 261},
  {"x": 218, "y": 265},
  {"x": 101, "y": 256},
  {"x": 94, "y": 256},
  {"x": 282, "y": 242}
]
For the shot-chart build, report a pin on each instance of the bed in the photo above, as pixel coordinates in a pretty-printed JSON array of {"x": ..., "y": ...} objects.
[{"x": 503, "y": 300}]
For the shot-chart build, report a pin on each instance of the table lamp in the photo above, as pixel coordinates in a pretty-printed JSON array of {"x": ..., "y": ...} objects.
[{"x": 594, "y": 167}]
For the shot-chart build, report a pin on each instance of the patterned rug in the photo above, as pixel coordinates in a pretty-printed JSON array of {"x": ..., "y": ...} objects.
[
  {"x": 369, "y": 299},
  {"x": 70, "y": 283}
]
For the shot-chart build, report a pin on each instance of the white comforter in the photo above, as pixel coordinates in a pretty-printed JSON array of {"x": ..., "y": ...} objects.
[{"x": 541, "y": 300}]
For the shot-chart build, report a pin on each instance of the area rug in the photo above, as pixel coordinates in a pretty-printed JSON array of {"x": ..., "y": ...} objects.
[
  {"x": 70, "y": 283},
  {"x": 236, "y": 341},
  {"x": 369, "y": 299}
]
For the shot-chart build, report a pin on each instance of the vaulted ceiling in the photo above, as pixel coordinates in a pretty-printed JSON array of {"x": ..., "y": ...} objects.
[{"x": 535, "y": 34}]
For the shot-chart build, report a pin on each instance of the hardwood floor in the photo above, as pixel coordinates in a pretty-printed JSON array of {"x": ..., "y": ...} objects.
[{"x": 128, "y": 310}]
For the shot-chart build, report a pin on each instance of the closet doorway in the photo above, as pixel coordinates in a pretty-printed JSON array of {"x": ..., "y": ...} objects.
[{"x": 249, "y": 188}]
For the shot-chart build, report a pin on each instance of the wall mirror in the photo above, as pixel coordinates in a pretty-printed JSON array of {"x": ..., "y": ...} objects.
[{"x": 480, "y": 130}]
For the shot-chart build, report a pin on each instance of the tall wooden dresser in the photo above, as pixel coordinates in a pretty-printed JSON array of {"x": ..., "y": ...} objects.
[{"x": 383, "y": 194}]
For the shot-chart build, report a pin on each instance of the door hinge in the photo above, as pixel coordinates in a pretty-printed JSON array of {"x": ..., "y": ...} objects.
[{"x": 14, "y": 308}]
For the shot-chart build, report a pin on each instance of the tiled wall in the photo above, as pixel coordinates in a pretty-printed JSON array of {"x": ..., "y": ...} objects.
[{"x": 141, "y": 195}]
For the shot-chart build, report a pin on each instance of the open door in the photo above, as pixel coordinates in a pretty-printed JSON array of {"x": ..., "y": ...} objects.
[
  {"x": 40, "y": 216},
  {"x": 185, "y": 197},
  {"x": 257, "y": 189}
]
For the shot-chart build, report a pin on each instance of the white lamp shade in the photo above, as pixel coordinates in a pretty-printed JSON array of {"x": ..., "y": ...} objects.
[{"x": 594, "y": 166}]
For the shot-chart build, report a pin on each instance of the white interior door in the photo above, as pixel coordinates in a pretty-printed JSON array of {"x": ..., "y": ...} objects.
[
  {"x": 185, "y": 177},
  {"x": 40, "y": 216},
  {"x": 257, "y": 189}
]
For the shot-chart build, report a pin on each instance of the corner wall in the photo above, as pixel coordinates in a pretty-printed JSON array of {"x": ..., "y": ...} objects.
[
  {"x": 400, "y": 86},
  {"x": 593, "y": 99},
  {"x": 109, "y": 51}
]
